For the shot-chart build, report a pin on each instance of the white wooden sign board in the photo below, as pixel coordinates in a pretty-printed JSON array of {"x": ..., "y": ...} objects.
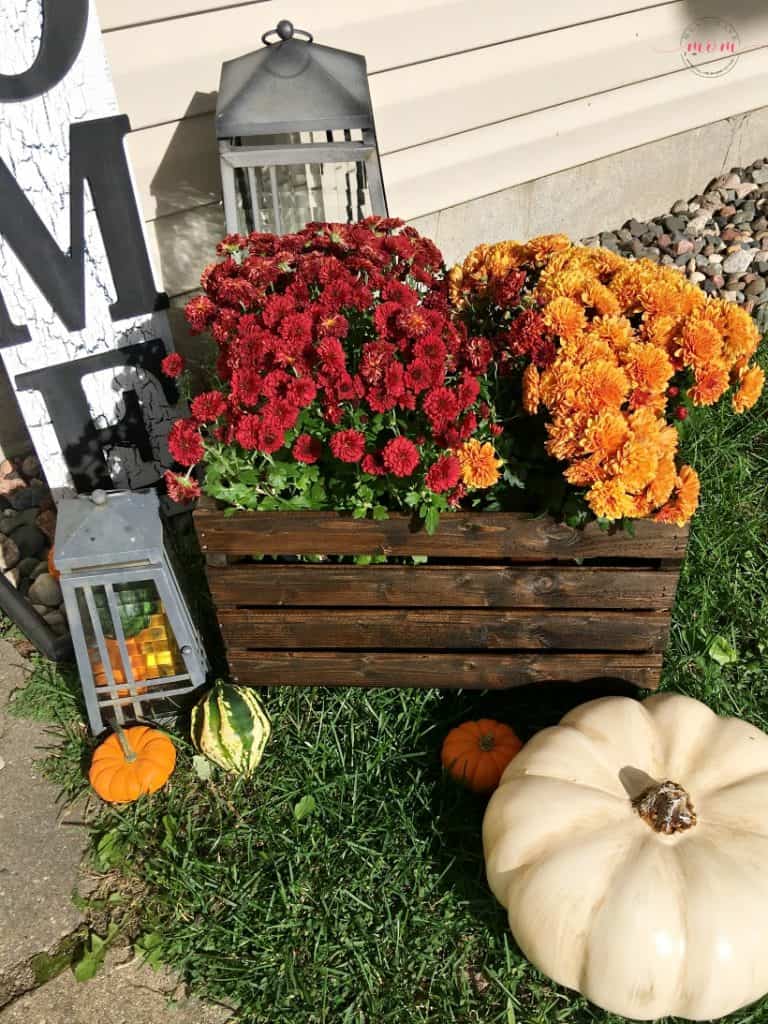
[{"x": 35, "y": 146}]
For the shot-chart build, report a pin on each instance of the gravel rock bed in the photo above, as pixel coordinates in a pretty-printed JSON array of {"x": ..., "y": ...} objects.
[
  {"x": 718, "y": 239},
  {"x": 27, "y": 527}
]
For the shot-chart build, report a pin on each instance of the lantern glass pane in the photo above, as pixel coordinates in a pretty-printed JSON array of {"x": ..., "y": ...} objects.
[
  {"x": 282, "y": 198},
  {"x": 149, "y": 640}
]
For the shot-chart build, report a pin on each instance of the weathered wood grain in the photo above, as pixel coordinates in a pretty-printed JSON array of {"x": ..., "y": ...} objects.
[
  {"x": 453, "y": 671},
  {"x": 460, "y": 535},
  {"x": 445, "y": 629},
  {"x": 439, "y": 586}
]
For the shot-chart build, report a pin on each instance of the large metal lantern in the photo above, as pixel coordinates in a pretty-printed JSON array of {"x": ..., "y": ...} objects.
[
  {"x": 134, "y": 639},
  {"x": 296, "y": 135}
]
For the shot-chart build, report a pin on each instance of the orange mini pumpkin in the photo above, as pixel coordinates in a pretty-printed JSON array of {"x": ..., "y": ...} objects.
[
  {"x": 131, "y": 762},
  {"x": 476, "y": 753}
]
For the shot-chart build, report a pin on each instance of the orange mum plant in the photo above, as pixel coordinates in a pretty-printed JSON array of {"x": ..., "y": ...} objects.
[{"x": 610, "y": 352}]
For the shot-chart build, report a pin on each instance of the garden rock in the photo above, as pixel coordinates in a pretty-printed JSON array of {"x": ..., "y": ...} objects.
[
  {"x": 738, "y": 261},
  {"x": 725, "y": 228},
  {"x": 45, "y": 590},
  {"x": 10, "y": 478},
  {"x": 46, "y": 521},
  {"x": 9, "y": 553},
  {"x": 27, "y": 566},
  {"x": 27, "y": 497},
  {"x": 30, "y": 466},
  {"x": 30, "y": 540}
]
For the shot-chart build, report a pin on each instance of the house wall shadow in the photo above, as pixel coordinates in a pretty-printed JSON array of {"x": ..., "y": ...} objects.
[
  {"x": 188, "y": 218},
  {"x": 14, "y": 437}
]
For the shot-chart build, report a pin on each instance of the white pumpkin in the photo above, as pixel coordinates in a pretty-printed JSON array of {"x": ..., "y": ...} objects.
[{"x": 629, "y": 845}]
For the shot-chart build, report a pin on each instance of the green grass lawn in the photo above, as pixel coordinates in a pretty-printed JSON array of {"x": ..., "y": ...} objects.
[{"x": 373, "y": 907}]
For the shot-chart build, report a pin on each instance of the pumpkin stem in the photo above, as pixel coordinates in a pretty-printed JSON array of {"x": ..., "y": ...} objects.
[
  {"x": 487, "y": 741},
  {"x": 666, "y": 807},
  {"x": 128, "y": 752}
]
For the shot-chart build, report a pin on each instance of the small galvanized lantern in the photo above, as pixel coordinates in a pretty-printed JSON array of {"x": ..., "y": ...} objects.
[
  {"x": 296, "y": 135},
  {"x": 134, "y": 639}
]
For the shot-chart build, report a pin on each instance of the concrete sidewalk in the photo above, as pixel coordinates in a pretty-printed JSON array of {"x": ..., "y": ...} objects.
[{"x": 41, "y": 847}]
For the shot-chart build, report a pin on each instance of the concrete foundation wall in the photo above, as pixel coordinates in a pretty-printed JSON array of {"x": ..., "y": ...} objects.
[{"x": 601, "y": 195}]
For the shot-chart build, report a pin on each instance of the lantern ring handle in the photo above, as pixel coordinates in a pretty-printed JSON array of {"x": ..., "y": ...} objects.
[{"x": 284, "y": 31}]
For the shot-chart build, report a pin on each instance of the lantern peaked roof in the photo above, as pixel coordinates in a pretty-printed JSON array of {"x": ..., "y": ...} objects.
[
  {"x": 292, "y": 85},
  {"x": 108, "y": 529}
]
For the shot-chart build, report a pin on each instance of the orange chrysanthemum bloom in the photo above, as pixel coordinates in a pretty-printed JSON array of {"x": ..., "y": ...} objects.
[
  {"x": 685, "y": 500},
  {"x": 566, "y": 436},
  {"x": 456, "y": 290},
  {"x": 606, "y": 433},
  {"x": 661, "y": 487},
  {"x": 587, "y": 349},
  {"x": 599, "y": 297},
  {"x": 751, "y": 387},
  {"x": 605, "y": 386},
  {"x": 711, "y": 383},
  {"x": 648, "y": 367},
  {"x": 544, "y": 246},
  {"x": 584, "y": 472},
  {"x": 479, "y": 464},
  {"x": 609, "y": 500},
  {"x": 741, "y": 333},
  {"x": 662, "y": 331},
  {"x": 636, "y": 465},
  {"x": 616, "y": 331},
  {"x": 700, "y": 343},
  {"x": 531, "y": 389},
  {"x": 565, "y": 317}
]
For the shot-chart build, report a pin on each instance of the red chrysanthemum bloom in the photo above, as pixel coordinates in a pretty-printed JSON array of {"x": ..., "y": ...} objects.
[
  {"x": 247, "y": 432},
  {"x": 185, "y": 443},
  {"x": 376, "y": 357},
  {"x": 302, "y": 391},
  {"x": 208, "y": 406},
  {"x": 307, "y": 449},
  {"x": 444, "y": 474},
  {"x": 181, "y": 488},
  {"x": 348, "y": 445},
  {"x": 199, "y": 313},
  {"x": 457, "y": 495},
  {"x": 478, "y": 354},
  {"x": 331, "y": 354},
  {"x": 526, "y": 334},
  {"x": 173, "y": 365},
  {"x": 401, "y": 456},
  {"x": 506, "y": 292},
  {"x": 420, "y": 375},
  {"x": 333, "y": 324},
  {"x": 469, "y": 390},
  {"x": 271, "y": 434},
  {"x": 441, "y": 407},
  {"x": 373, "y": 464}
]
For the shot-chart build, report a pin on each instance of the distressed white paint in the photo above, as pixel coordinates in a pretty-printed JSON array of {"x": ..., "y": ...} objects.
[{"x": 34, "y": 143}]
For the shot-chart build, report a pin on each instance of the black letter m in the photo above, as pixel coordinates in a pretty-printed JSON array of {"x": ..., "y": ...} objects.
[{"x": 96, "y": 155}]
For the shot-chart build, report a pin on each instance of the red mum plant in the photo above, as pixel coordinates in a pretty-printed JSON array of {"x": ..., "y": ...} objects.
[{"x": 343, "y": 379}]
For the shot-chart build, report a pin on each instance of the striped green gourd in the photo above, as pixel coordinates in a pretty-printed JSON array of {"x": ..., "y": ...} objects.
[{"x": 231, "y": 727}]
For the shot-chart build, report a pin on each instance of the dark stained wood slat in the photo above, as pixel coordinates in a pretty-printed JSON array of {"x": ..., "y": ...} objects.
[
  {"x": 482, "y": 586},
  {"x": 453, "y": 671},
  {"x": 450, "y": 629},
  {"x": 460, "y": 534}
]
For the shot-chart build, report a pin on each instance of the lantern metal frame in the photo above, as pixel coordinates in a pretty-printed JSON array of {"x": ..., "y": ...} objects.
[
  {"x": 111, "y": 539},
  {"x": 294, "y": 86}
]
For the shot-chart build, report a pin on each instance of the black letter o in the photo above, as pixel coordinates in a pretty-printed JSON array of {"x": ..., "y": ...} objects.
[{"x": 64, "y": 24}]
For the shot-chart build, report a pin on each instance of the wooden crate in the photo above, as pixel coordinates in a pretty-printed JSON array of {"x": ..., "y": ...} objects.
[{"x": 504, "y": 600}]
